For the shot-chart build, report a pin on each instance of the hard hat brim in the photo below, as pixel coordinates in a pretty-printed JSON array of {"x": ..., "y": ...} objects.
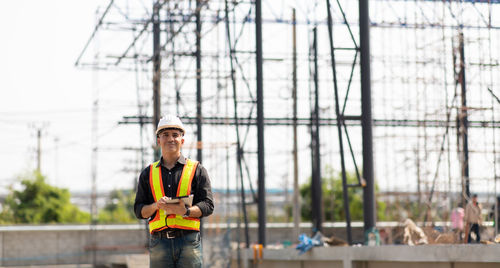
[{"x": 170, "y": 127}]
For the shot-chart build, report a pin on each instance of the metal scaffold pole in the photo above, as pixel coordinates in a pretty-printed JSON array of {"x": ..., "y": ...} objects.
[
  {"x": 199, "y": 115},
  {"x": 156, "y": 72},
  {"x": 464, "y": 124},
  {"x": 369, "y": 216},
  {"x": 260, "y": 126},
  {"x": 296, "y": 196},
  {"x": 315, "y": 148}
]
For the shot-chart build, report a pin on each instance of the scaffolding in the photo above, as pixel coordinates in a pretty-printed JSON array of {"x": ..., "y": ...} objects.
[{"x": 434, "y": 93}]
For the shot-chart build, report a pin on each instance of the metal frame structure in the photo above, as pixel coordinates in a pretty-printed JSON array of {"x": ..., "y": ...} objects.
[{"x": 237, "y": 57}]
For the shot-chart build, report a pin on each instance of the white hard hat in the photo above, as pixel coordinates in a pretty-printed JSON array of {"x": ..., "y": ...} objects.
[{"x": 170, "y": 121}]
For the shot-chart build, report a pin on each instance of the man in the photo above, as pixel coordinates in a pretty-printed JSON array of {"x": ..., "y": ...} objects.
[
  {"x": 473, "y": 219},
  {"x": 174, "y": 227}
]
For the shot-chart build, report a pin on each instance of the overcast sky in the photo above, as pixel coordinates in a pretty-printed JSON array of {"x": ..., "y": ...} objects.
[{"x": 41, "y": 88}]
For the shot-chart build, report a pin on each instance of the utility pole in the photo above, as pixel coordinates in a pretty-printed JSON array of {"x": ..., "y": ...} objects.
[
  {"x": 94, "y": 153},
  {"x": 56, "y": 162},
  {"x": 39, "y": 150},
  {"x": 39, "y": 128},
  {"x": 156, "y": 72},
  {"x": 296, "y": 200}
]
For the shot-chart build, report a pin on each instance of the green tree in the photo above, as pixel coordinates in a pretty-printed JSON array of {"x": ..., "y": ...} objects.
[
  {"x": 333, "y": 203},
  {"x": 38, "y": 202},
  {"x": 119, "y": 208}
]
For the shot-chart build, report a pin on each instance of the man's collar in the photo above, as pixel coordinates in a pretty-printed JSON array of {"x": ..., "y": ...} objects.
[{"x": 181, "y": 160}]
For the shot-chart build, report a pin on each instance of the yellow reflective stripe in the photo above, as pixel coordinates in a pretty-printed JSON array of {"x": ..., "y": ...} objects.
[
  {"x": 185, "y": 183},
  {"x": 155, "y": 172},
  {"x": 155, "y": 225},
  {"x": 157, "y": 191},
  {"x": 183, "y": 189},
  {"x": 183, "y": 223}
]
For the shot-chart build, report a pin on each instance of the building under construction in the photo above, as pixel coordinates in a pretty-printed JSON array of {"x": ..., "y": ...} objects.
[{"x": 403, "y": 94}]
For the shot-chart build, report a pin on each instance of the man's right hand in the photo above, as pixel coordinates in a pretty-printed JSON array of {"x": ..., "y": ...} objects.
[
  {"x": 148, "y": 210},
  {"x": 171, "y": 208}
]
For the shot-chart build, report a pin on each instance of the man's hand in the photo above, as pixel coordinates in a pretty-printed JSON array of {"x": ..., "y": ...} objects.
[{"x": 172, "y": 208}]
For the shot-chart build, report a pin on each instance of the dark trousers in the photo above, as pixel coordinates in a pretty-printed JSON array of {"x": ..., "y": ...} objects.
[
  {"x": 180, "y": 252},
  {"x": 474, "y": 227}
]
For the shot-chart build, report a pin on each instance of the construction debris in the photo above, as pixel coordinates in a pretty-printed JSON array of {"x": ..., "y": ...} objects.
[
  {"x": 335, "y": 241},
  {"x": 306, "y": 243},
  {"x": 497, "y": 239},
  {"x": 414, "y": 235}
]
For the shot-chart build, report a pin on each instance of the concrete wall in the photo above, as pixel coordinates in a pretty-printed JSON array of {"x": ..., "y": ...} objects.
[
  {"x": 70, "y": 244},
  {"x": 428, "y": 256},
  {"x": 47, "y": 245}
]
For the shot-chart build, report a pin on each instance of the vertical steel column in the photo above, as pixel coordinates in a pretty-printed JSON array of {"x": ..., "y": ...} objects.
[
  {"x": 296, "y": 195},
  {"x": 312, "y": 126},
  {"x": 316, "y": 194},
  {"x": 199, "y": 144},
  {"x": 464, "y": 122},
  {"x": 260, "y": 125},
  {"x": 156, "y": 72},
  {"x": 369, "y": 216}
]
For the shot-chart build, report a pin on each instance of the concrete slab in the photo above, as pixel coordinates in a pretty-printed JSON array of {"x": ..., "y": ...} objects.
[
  {"x": 382, "y": 264},
  {"x": 475, "y": 265},
  {"x": 428, "y": 256},
  {"x": 130, "y": 261},
  {"x": 322, "y": 264}
]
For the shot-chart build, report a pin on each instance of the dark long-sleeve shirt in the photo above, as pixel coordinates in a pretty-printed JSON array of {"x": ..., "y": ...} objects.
[{"x": 200, "y": 187}]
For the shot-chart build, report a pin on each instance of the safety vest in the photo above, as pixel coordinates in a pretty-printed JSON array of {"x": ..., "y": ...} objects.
[{"x": 162, "y": 220}]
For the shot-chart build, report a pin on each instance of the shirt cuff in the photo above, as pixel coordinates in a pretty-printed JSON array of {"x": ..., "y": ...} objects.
[{"x": 138, "y": 211}]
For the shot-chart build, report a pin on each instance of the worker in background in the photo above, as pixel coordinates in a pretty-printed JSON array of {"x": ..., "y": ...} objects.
[
  {"x": 457, "y": 221},
  {"x": 473, "y": 219},
  {"x": 175, "y": 227}
]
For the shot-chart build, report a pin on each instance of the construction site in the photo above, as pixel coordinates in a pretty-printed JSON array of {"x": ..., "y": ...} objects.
[{"x": 397, "y": 101}]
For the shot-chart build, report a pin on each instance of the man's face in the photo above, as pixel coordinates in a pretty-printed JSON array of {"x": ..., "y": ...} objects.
[{"x": 170, "y": 140}]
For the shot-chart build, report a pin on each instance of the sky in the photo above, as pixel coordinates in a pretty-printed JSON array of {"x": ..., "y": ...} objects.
[{"x": 41, "y": 88}]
